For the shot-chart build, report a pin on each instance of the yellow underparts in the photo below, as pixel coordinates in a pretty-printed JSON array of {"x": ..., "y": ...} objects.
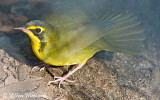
[
  {"x": 84, "y": 61},
  {"x": 35, "y": 47},
  {"x": 35, "y": 42}
]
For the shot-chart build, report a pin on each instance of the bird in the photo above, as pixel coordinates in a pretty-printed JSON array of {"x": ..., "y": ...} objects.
[{"x": 73, "y": 33}]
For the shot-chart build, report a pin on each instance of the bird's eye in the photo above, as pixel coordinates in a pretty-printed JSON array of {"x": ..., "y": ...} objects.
[{"x": 38, "y": 30}]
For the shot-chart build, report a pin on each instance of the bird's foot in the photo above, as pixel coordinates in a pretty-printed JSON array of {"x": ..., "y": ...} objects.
[
  {"x": 40, "y": 67},
  {"x": 64, "y": 78},
  {"x": 60, "y": 80}
]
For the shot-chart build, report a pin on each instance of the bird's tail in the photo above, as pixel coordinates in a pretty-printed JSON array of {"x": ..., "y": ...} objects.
[{"x": 125, "y": 35}]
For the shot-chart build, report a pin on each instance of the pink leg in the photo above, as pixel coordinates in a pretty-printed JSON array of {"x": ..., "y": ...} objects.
[
  {"x": 39, "y": 66},
  {"x": 61, "y": 79}
]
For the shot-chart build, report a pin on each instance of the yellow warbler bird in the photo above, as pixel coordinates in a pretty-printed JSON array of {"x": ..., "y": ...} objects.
[{"x": 72, "y": 35}]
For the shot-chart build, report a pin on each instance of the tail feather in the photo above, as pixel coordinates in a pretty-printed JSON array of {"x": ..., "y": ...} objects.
[{"x": 125, "y": 36}]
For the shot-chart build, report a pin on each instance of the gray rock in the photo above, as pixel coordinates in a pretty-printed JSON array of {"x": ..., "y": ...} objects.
[
  {"x": 3, "y": 75},
  {"x": 21, "y": 9},
  {"x": 10, "y": 80}
]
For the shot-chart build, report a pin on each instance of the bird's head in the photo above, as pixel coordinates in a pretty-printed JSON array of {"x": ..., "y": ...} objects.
[{"x": 35, "y": 29}]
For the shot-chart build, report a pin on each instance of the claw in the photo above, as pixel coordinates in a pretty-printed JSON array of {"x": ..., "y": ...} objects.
[
  {"x": 35, "y": 67},
  {"x": 64, "y": 78},
  {"x": 60, "y": 80},
  {"x": 41, "y": 67}
]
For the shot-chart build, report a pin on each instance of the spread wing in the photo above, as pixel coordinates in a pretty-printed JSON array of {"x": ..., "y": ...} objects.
[{"x": 81, "y": 27}]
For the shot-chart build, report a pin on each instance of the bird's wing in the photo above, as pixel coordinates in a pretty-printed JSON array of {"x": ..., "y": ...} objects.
[
  {"x": 97, "y": 29},
  {"x": 121, "y": 33}
]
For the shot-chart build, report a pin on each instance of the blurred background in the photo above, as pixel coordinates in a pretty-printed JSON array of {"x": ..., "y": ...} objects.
[{"x": 106, "y": 76}]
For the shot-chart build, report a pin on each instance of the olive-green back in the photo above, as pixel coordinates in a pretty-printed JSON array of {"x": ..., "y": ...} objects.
[{"x": 86, "y": 29}]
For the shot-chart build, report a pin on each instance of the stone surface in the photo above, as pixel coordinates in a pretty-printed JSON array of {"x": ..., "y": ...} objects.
[
  {"x": 10, "y": 80},
  {"x": 6, "y": 28},
  {"x": 106, "y": 76},
  {"x": 21, "y": 8},
  {"x": 8, "y": 2},
  {"x": 5, "y": 60},
  {"x": 3, "y": 75},
  {"x": 23, "y": 72}
]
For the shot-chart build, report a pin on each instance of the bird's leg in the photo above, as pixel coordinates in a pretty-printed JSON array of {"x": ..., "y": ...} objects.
[
  {"x": 65, "y": 79},
  {"x": 41, "y": 66},
  {"x": 61, "y": 79}
]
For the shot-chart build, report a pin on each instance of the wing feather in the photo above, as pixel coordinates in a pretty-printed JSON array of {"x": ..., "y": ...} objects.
[{"x": 80, "y": 29}]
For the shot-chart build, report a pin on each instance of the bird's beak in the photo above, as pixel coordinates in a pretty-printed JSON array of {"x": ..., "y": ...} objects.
[
  {"x": 22, "y": 29},
  {"x": 29, "y": 33}
]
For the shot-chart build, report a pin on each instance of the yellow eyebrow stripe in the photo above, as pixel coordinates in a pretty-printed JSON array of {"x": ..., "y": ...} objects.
[{"x": 35, "y": 27}]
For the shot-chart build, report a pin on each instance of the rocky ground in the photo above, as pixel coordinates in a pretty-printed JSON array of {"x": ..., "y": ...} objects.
[{"x": 106, "y": 76}]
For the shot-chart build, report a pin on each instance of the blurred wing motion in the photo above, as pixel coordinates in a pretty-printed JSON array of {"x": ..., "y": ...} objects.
[
  {"x": 81, "y": 27},
  {"x": 124, "y": 34}
]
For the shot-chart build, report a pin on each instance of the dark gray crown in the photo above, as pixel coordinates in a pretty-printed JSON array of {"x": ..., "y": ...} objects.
[{"x": 37, "y": 23}]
